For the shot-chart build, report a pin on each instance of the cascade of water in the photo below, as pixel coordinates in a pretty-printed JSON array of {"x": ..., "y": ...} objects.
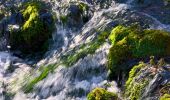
[
  {"x": 77, "y": 80},
  {"x": 87, "y": 73}
]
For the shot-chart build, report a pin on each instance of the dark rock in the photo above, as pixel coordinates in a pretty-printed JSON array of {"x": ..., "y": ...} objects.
[
  {"x": 74, "y": 16},
  {"x": 146, "y": 3},
  {"x": 47, "y": 18},
  {"x": 16, "y": 18}
]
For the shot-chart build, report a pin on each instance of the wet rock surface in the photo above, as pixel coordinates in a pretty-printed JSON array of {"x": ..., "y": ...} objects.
[
  {"x": 80, "y": 62},
  {"x": 158, "y": 79}
]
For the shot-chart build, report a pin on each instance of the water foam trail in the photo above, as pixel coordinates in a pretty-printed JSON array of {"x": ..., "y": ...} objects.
[{"x": 77, "y": 80}]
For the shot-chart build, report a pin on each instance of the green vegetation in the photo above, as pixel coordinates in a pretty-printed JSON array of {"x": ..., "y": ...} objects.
[
  {"x": 64, "y": 19},
  {"x": 167, "y": 1},
  {"x": 135, "y": 88},
  {"x": 70, "y": 59},
  {"x": 135, "y": 91},
  {"x": 133, "y": 42},
  {"x": 101, "y": 94},
  {"x": 165, "y": 97},
  {"x": 67, "y": 60},
  {"x": 134, "y": 72},
  {"x": 34, "y": 32},
  {"x": 45, "y": 71},
  {"x": 83, "y": 7}
]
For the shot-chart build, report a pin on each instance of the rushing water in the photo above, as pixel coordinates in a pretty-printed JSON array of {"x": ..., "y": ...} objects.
[{"x": 75, "y": 82}]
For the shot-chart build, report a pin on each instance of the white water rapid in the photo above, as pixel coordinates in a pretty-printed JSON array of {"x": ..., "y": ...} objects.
[{"x": 69, "y": 82}]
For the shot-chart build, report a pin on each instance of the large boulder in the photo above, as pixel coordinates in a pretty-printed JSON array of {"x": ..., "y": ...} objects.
[
  {"x": 35, "y": 30},
  {"x": 148, "y": 81},
  {"x": 135, "y": 43}
]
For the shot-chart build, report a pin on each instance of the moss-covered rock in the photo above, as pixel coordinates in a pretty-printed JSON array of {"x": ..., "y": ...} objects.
[
  {"x": 145, "y": 81},
  {"x": 135, "y": 88},
  {"x": 133, "y": 42},
  {"x": 165, "y": 97},
  {"x": 101, "y": 94},
  {"x": 34, "y": 32}
]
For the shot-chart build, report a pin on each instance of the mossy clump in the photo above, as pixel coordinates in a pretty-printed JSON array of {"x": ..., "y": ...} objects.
[
  {"x": 134, "y": 87},
  {"x": 134, "y": 42},
  {"x": 165, "y": 97},
  {"x": 101, "y": 94},
  {"x": 135, "y": 91},
  {"x": 34, "y": 32},
  {"x": 134, "y": 71}
]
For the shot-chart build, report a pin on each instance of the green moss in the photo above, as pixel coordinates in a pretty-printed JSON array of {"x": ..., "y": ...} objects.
[
  {"x": 118, "y": 34},
  {"x": 117, "y": 54},
  {"x": 68, "y": 60},
  {"x": 133, "y": 73},
  {"x": 135, "y": 88},
  {"x": 135, "y": 92},
  {"x": 64, "y": 19},
  {"x": 34, "y": 32},
  {"x": 83, "y": 7},
  {"x": 45, "y": 70},
  {"x": 85, "y": 50},
  {"x": 165, "y": 97},
  {"x": 133, "y": 42},
  {"x": 101, "y": 94}
]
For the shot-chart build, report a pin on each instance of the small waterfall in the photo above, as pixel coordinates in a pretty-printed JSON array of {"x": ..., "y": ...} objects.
[{"x": 76, "y": 81}]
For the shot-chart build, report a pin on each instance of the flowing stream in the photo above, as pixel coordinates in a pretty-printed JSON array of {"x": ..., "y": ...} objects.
[{"x": 73, "y": 82}]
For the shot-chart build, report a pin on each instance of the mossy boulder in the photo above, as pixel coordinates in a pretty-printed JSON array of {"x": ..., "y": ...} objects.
[
  {"x": 148, "y": 81},
  {"x": 34, "y": 32},
  {"x": 135, "y": 43},
  {"x": 101, "y": 94},
  {"x": 134, "y": 87}
]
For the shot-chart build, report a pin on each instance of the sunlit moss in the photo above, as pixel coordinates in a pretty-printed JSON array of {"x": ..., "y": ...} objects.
[
  {"x": 101, "y": 94},
  {"x": 133, "y": 42},
  {"x": 67, "y": 60},
  {"x": 135, "y": 88},
  {"x": 45, "y": 70},
  {"x": 165, "y": 97},
  {"x": 34, "y": 32},
  {"x": 90, "y": 48},
  {"x": 133, "y": 73}
]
